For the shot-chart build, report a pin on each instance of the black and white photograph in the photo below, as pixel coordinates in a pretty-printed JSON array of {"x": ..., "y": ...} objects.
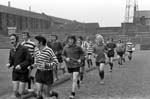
[{"x": 74, "y": 49}]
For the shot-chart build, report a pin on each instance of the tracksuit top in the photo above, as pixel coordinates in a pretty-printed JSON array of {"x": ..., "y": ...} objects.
[
  {"x": 100, "y": 51},
  {"x": 73, "y": 52},
  {"x": 20, "y": 56}
]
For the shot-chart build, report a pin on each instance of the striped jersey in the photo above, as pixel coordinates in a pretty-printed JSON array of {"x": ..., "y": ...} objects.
[
  {"x": 88, "y": 46},
  {"x": 30, "y": 45},
  {"x": 129, "y": 46},
  {"x": 45, "y": 56},
  {"x": 82, "y": 45}
]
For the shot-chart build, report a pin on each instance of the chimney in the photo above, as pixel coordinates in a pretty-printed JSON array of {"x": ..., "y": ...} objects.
[
  {"x": 9, "y": 3},
  {"x": 29, "y": 8}
]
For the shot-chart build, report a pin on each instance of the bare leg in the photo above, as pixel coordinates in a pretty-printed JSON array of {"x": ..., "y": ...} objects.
[
  {"x": 39, "y": 90},
  {"x": 16, "y": 88}
]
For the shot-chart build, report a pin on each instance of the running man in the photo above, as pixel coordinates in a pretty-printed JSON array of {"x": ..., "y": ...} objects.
[
  {"x": 129, "y": 48},
  {"x": 31, "y": 47},
  {"x": 57, "y": 47},
  {"x": 80, "y": 42},
  {"x": 124, "y": 52},
  {"x": 120, "y": 48},
  {"x": 45, "y": 61},
  {"x": 89, "y": 50},
  {"x": 73, "y": 55},
  {"x": 99, "y": 51},
  {"x": 19, "y": 59},
  {"x": 111, "y": 52}
]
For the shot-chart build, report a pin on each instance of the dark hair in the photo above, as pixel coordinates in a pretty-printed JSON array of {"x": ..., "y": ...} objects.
[
  {"x": 66, "y": 34},
  {"x": 81, "y": 38},
  {"x": 16, "y": 36},
  {"x": 41, "y": 39},
  {"x": 27, "y": 33},
  {"x": 72, "y": 37},
  {"x": 111, "y": 39},
  {"x": 119, "y": 40}
]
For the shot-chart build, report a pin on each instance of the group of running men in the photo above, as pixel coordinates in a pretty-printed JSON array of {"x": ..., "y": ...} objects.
[{"x": 38, "y": 61}]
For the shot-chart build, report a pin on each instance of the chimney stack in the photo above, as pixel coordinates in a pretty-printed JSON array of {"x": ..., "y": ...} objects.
[
  {"x": 29, "y": 8},
  {"x": 9, "y": 4}
]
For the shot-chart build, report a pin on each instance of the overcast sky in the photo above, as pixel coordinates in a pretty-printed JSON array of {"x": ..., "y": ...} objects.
[{"x": 105, "y": 12}]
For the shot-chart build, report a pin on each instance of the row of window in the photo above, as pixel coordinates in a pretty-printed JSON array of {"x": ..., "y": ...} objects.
[{"x": 22, "y": 22}]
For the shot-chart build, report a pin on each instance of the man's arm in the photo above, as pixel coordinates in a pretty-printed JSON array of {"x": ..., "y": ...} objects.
[
  {"x": 53, "y": 62},
  {"x": 82, "y": 53},
  {"x": 64, "y": 54},
  {"x": 10, "y": 61},
  {"x": 60, "y": 48}
]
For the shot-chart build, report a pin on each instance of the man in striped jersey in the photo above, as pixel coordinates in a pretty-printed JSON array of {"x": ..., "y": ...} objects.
[
  {"x": 30, "y": 46},
  {"x": 129, "y": 48},
  {"x": 89, "y": 51},
  {"x": 45, "y": 61}
]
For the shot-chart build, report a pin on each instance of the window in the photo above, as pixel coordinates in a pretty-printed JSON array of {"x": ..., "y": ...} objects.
[
  {"x": 142, "y": 20},
  {"x": 0, "y": 21},
  {"x": 20, "y": 22},
  {"x": 148, "y": 22},
  {"x": 36, "y": 23},
  {"x": 41, "y": 24},
  {"x": 32, "y": 23},
  {"x": 7, "y": 20},
  {"x": 26, "y": 22},
  {"x": 79, "y": 27},
  {"x": 14, "y": 20}
]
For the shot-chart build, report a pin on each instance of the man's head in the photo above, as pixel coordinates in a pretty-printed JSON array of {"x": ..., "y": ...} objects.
[
  {"x": 66, "y": 35},
  {"x": 25, "y": 35},
  {"x": 40, "y": 41},
  {"x": 87, "y": 39},
  {"x": 79, "y": 40},
  {"x": 129, "y": 40},
  {"x": 54, "y": 37},
  {"x": 119, "y": 41},
  {"x": 14, "y": 39},
  {"x": 111, "y": 39},
  {"x": 99, "y": 39},
  {"x": 71, "y": 40}
]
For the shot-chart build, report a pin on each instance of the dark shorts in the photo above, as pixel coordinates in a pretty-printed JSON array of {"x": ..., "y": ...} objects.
[
  {"x": 44, "y": 77},
  {"x": 98, "y": 63},
  {"x": 71, "y": 70},
  {"x": 130, "y": 51},
  {"x": 89, "y": 53},
  {"x": 120, "y": 53},
  {"x": 59, "y": 57},
  {"x": 111, "y": 54},
  {"x": 21, "y": 77}
]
